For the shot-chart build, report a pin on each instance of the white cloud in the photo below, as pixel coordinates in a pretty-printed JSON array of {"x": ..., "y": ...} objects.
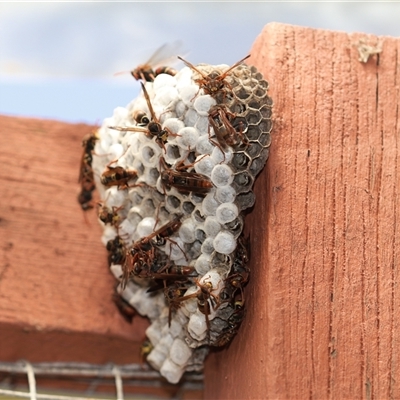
[{"x": 98, "y": 39}]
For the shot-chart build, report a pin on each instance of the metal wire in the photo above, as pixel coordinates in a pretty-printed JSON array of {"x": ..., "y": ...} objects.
[
  {"x": 31, "y": 380},
  {"x": 44, "y": 396},
  {"x": 118, "y": 383},
  {"x": 136, "y": 374}
]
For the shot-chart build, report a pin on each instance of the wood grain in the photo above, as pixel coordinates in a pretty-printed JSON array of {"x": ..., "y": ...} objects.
[
  {"x": 323, "y": 297},
  {"x": 54, "y": 273}
]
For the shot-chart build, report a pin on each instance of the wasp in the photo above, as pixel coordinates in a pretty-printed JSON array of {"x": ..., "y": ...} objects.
[
  {"x": 175, "y": 270},
  {"x": 219, "y": 118},
  {"x": 173, "y": 293},
  {"x": 168, "y": 273},
  {"x": 160, "y": 234},
  {"x": 86, "y": 178},
  {"x": 183, "y": 181},
  {"x": 204, "y": 296},
  {"x": 146, "y": 73},
  {"x": 118, "y": 176},
  {"x": 164, "y": 274},
  {"x": 109, "y": 216},
  {"x": 140, "y": 118},
  {"x": 242, "y": 254},
  {"x": 214, "y": 82},
  {"x": 142, "y": 253},
  {"x": 88, "y": 144},
  {"x": 234, "y": 322},
  {"x": 85, "y": 196},
  {"x": 153, "y": 128},
  {"x": 149, "y": 70},
  {"x": 164, "y": 231},
  {"x": 139, "y": 258},
  {"x": 116, "y": 251},
  {"x": 239, "y": 274}
]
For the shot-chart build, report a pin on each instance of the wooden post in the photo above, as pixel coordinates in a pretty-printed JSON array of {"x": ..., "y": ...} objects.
[{"x": 323, "y": 301}]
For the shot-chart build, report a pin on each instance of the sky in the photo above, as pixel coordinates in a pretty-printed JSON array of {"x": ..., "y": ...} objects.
[{"x": 58, "y": 60}]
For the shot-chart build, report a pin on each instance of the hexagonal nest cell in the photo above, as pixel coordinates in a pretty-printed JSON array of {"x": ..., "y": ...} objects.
[{"x": 175, "y": 171}]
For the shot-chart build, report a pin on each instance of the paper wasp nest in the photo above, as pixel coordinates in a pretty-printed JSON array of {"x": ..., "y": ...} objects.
[{"x": 173, "y": 196}]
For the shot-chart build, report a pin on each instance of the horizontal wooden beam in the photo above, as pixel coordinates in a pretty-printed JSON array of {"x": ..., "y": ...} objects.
[
  {"x": 54, "y": 274},
  {"x": 55, "y": 285}
]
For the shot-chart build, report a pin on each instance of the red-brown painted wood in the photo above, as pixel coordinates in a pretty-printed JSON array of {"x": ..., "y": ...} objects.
[
  {"x": 323, "y": 300},
  {"x": 54, "y": 274},
  {"x": 55, "y": 285}
]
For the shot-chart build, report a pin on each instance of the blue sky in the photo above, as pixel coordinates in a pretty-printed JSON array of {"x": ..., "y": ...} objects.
[{"x": 57, "y": 60}]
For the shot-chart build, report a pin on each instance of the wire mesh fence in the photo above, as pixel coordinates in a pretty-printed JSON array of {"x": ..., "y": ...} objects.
[{"x": 88, "y": 381}]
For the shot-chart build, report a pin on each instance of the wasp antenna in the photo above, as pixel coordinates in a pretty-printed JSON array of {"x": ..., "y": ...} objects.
[
  {"x": 147, "y": 97},
  {"x": 235, "y": 65},
  {"x": 120, "y": 128},
  {"x": 190, "y": 65},
  {"x": 128, "y": 129},
  {"x": 240, "y": 61}
]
